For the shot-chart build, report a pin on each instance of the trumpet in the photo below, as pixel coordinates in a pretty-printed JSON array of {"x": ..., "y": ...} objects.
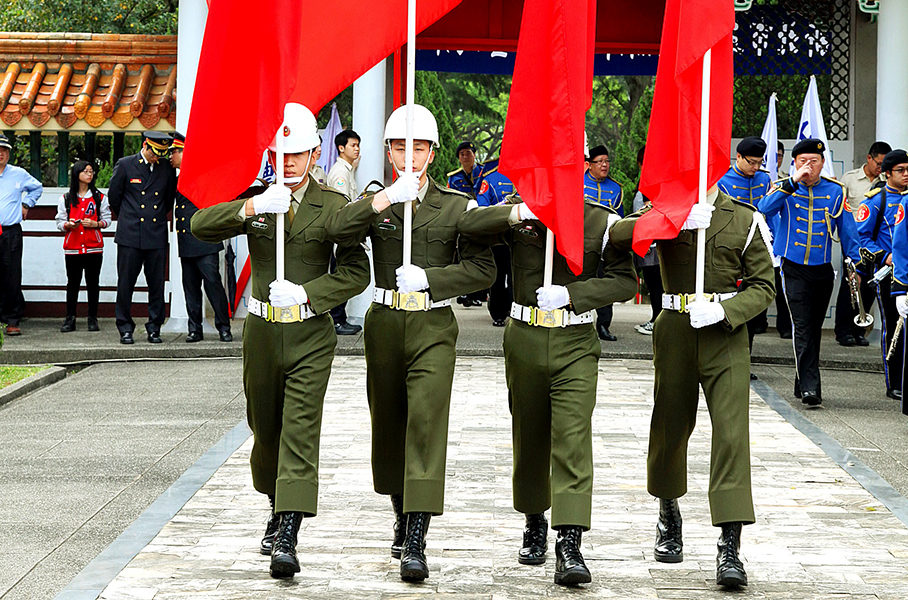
[
  {"x": 895, "y": 338},
  {"x": 862, "y": 319}
]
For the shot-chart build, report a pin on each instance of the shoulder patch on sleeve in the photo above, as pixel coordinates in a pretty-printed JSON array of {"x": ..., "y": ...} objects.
[{"x": 862, "y": 214}]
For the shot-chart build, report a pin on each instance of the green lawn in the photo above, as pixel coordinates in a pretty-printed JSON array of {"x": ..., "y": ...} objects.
[{"x": 10, "y": 375}]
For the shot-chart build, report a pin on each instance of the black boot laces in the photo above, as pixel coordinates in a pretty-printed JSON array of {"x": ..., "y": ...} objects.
[
  {"x": 416, "y": 532},
  {"x": 285, "y": 538},
  {"x": 570, "y": 544},
  {"x": 534, "y": 533},
  {"x": 729, "y": 550}
]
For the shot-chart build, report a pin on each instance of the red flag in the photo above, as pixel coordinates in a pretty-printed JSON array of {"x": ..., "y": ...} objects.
[
  {"x": 672, "y": 160},
  {"x": 542, "y": 149},
  {"x": 257, "y": 57}
]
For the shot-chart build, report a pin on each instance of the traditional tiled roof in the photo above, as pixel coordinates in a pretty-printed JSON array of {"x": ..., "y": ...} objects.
[{"x": 87, "y": 82}]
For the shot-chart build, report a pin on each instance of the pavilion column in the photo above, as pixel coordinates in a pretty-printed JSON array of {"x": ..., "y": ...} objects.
[
  {"x": 190, "y": 30},
  {"x": 891, "y": 82},
  {"x": 369, "y": 114}
]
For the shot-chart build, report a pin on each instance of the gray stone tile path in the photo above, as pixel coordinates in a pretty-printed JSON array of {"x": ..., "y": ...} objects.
[{"x": 818, "y": 533}]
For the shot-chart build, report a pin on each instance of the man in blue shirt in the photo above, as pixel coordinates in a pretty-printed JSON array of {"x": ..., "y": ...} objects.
[
  {"x": 810, "y": 208},
  {"x": 598, "y": 187},
  {"x": 14, "y": 182},
  {"x": 494, "y": 188},
  {"x": 876, "y": 217},
  {"x": 899, "y": 259}
]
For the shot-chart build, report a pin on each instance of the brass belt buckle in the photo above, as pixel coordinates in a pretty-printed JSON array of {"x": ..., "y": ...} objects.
[
  {"x": 547, "y": 318},
  {"x": 410, "y": 301},
  {"x": 284, "y": 314}
]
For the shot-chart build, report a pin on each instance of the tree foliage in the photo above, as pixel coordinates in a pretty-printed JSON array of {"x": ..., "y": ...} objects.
[{"x": 91, "y": 16}]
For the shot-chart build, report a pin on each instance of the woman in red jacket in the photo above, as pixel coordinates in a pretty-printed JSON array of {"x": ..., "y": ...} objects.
[{"x": 82, "y": 213}]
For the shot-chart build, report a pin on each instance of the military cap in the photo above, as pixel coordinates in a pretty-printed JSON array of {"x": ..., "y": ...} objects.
[
  {"x": 598, "y": 151},
  {"x": 179, "y": 140},
  {"x": 158, "y": 141},
  {"x": 4, "y": 142},
  {"x": 808, "y": 146},
  {"x": 751, "y": 146},
  {"x": 896, "y": 157},
  {"x": 465, "y": 146}
]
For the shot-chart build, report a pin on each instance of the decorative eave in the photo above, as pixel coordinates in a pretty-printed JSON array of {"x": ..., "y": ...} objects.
[{"x": 53, "y": 82}]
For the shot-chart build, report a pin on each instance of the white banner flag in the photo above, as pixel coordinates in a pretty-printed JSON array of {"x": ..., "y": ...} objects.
[
  {"x": 329, "y": 150},
  {"x": 812, "y": 125},
  {"x": 770, "y": 135}
]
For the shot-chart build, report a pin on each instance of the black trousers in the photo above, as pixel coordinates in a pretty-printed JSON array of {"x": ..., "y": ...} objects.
[
  {"x": 783, "y": 317},
  {"x": 199, "y": 271},
  {"x": 76, "y": 264},
  {"x": 130, "y": 262},
  {"x": 808, "y": 289},
  {"x": 845, "y": 313},
  {"x": 652, "y": 277},
  {"x": 892, "y": 368},
  {"x": 12, "y": 302},
  {"x": 501, "y": 294}
]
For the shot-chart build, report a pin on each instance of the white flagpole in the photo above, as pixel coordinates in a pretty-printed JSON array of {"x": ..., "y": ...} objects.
[
  {"x": 704, "y": 162},
  {"x": 411, "y": 98},
  {"x": 549, "y": 257},
  {"x": 279, "y": 180}
]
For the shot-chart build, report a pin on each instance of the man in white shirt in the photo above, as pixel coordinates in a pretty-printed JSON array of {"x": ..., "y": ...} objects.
[{"x": 342, "y": 177}]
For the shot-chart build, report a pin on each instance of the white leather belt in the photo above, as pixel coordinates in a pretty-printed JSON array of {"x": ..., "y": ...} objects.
[
  {"x": 412, "y": 301},
  {"x": 280, "y": 314},
  {"x": 550, "y": 318},
  {"x": 679, "y": 302}
]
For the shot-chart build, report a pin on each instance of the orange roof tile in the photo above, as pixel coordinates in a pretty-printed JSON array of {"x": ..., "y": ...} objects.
[{"x": 87, "y": 82}]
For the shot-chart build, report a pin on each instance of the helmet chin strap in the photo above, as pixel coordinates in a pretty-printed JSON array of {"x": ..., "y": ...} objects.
[{"x": 425, "y": 167}]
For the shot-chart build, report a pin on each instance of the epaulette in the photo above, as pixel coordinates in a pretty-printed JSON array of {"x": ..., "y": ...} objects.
[
  {"x": 744, "y": 204},
  {"x": 599, "y": 205},
  {"x": 780, "y": 181},
  {"x": 447, "y": 190},
  {"x": 455, "y": 172},
  {"x": 489, "y": 172},
  {"x": 835, "y": 181},
  {"x": 331, "y": 190},
  {"x": 873, "y": 192}
]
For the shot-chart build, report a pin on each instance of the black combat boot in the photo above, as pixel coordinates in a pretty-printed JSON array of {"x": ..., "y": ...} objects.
[
  {"x": 729, "y": 568},
  {"x": 69, "y": 324},
  {"x": 413, "y": 565},
  {"x": 283, "y": 554},
  {"x": 270, "y": 531},
  {"x": 535, "y": 540},
  {"x": 668, "y": 533},
  {"x": 569, "y": 566},
  {"x": 400, "y": 525}
]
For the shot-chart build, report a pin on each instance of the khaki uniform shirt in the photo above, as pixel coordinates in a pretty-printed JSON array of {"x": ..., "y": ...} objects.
[
  {"x": 856, "y": 185},
  {"x": 342, "y": 178}
]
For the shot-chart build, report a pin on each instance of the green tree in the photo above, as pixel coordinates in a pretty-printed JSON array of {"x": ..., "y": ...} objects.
[
  {"x": 94, "y": 16},
  {"x": 431, "y": 94}
]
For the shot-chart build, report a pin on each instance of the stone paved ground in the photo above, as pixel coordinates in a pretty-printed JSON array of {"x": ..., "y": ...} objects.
[{"x": 818, "y": 533}]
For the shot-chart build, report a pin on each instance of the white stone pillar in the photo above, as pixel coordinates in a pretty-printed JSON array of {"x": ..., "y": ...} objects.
[
  {"x": 369, "y": 115},
  {"x": 190, "y": 30},
  {"x": 891, "y": 82}
]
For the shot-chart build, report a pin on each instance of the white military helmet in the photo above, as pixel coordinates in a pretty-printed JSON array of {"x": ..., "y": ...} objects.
[
  {"x": 299, "y": 130},
  {"x": 424, "y": 125}
]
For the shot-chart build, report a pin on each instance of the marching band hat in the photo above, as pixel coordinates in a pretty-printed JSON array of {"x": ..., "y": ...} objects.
[
  {"x": 896, "y": 157},
  {"x": 179, "y": 140},
  {"x": 752, "y": 146},
  {"x": 158, "y": 141},
  {"x": 808, "y": 146},
  {"x": 465, "y": 146},
  {"x": 598, "y": 151}
]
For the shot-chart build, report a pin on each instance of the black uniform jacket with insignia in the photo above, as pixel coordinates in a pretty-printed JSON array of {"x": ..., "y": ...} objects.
[
  {"x": 307, "y": 246},
  {"x": 187, "y": 244},
  {"x": 141, "y": 199},
  {"x": 436, "y": 242},
  {"x": 527, "y": 242}
]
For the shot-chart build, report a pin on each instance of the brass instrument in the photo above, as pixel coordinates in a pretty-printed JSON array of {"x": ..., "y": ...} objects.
[
  {"x": 862, "y": 319},
  {"x": 895, "y": 338}
]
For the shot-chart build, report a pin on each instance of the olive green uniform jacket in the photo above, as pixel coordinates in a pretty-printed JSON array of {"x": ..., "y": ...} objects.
[
  {"x": 552, "y": 373},
  {"x": 286, "y": 365},
  {"x": 410, "y": 355},
  {"x": 716, "y": 357}
]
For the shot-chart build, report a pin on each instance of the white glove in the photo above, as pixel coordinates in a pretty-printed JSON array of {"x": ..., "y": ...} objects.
[
  {"x": 552, "y": 297},
  {"x": 699, "y": 217},
  {"x": 901, "y": 305},
  {"x": 525, "y": 214},
  {"x": 285, "y": 293},
  {"x": 275, "y": 199},
  {"x": 411, "y": 278},
  {"x": 403, "y": 189},
  {"x": 704, "y": 313}
]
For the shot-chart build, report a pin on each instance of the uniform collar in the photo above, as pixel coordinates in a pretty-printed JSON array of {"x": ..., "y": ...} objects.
[
  {"x": 299, "y": 193},
  {"x": 734, "y": 168},
  {"x": 892, "y": 190}
]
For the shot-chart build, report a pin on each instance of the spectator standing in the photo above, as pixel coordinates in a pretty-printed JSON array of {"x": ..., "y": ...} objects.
[
  {"x": 199, "y": 261},
  {"x": 82, "y": 213},
  {"x": 467, "y": 178},
  {"x": 14, "y": 182}
]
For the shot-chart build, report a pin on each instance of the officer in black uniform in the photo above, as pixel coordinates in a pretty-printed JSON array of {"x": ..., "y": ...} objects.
[
  {"x": 199, "y": 261},
  {"x": 141, "y": 194}
]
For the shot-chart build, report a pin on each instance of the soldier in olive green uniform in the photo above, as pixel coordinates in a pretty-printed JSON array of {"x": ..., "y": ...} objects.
[
  {"x": 706, "y": 343},
  {"x": 410, "y": 330},
  {"x": 288, "y": 341},
  {"x": 551, "y": 358}
]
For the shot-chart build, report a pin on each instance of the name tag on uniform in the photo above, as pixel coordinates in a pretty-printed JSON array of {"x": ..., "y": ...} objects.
[
  {"x": 135, "y": 180},
  {"x": 387, "y": 226},
  {"x": 258, "y": 225},
  {"x": 528, "y": 230}
]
